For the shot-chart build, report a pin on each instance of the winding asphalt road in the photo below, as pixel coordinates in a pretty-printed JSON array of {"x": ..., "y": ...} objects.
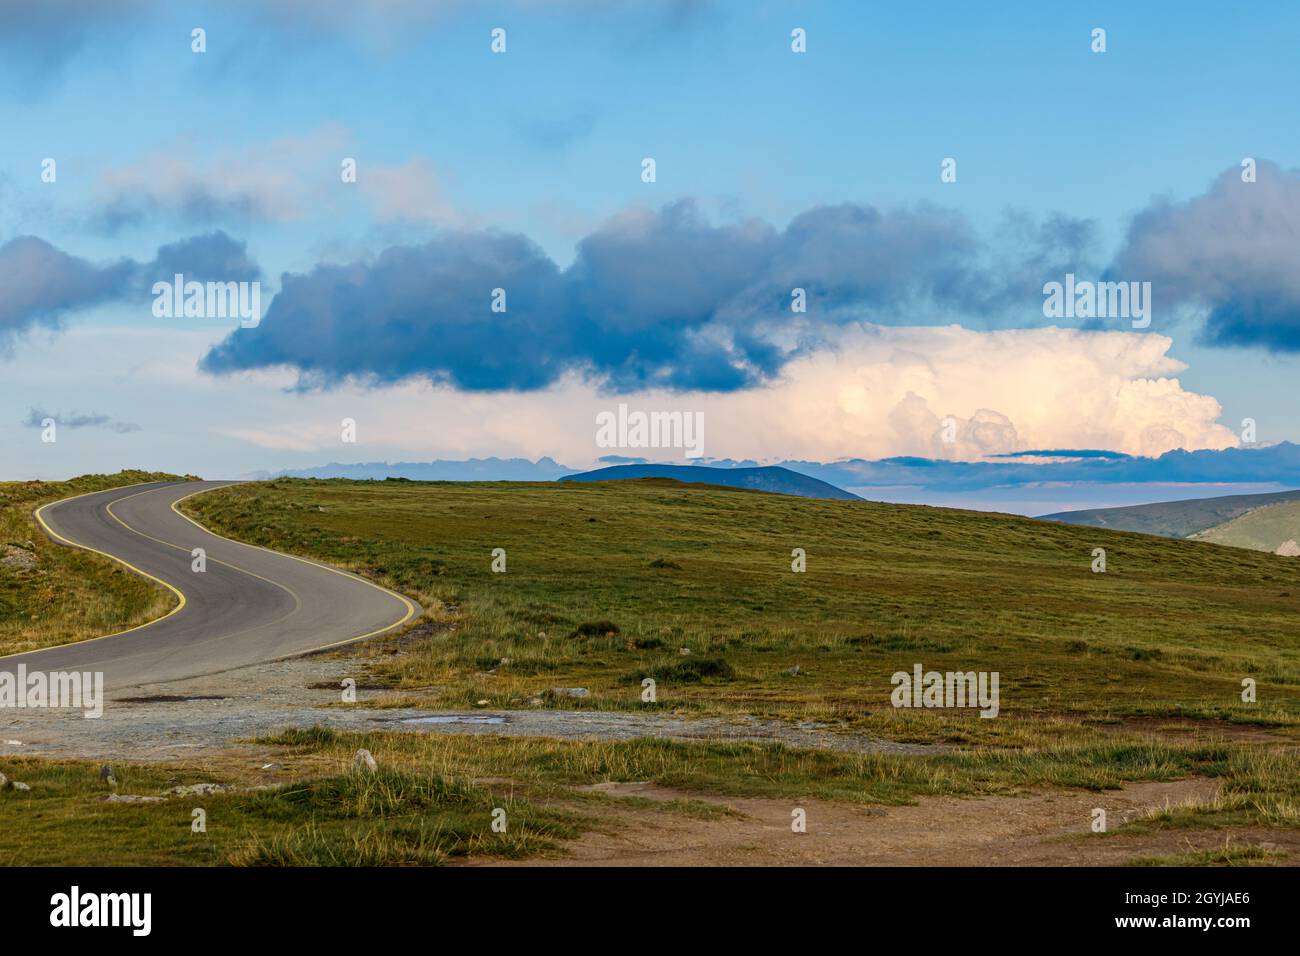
[{"x": 249, "y": 606}]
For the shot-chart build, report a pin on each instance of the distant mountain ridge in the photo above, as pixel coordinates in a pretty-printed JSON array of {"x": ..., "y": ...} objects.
[
  {"x": 1056, "y": 482},
  {"x": 470, "y": 469},
  {"x": 1174, "y": 519},
  {"x": 771, "y": 478}
]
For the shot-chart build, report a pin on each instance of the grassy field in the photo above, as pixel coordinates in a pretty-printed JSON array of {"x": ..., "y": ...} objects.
[
  {"x": 433, "y": 798},
  {"x": 1106, "y": 679},
  {"x": 606, "y": 584},
  {"x": 51, "y": 594}
]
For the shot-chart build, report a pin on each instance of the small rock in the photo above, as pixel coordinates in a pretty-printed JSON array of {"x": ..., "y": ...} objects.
[
  {"x": 199, "y": 789},
  {"x": 570, "y": 691},
  {"x": 364, "y": 760},
  {"x": 684, "y": 651},
  {"x": 794, "y": 671},
  {"x": 482, "y": 703},
  {"x": 18, "y": 785},
  {"x": 130, "y": 798}
]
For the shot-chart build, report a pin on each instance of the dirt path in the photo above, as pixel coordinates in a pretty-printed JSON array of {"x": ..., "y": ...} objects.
[{"x": 1046, "y": 828}]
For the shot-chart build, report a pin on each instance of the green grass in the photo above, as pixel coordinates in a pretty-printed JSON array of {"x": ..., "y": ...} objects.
[
  {"x": 1223, "y": 856},
  {"x": 1268, "y": 782},
  {"x": 609, "y": 582},
  {"x": 51, "y": 594},
  {"x": 335, "y": 816}
]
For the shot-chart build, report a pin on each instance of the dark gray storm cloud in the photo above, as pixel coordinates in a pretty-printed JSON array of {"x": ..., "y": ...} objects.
[
  {"x": 36, "y": 418},
  {"x": 213, "y": 255},
  {"x": 42, "y": 284},
  {"x": 652, "y": 299},
  {"x": 1231, "y": 255}
]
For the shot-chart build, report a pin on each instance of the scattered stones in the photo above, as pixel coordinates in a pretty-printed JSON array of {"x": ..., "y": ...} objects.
[
  {"x": 569, "y": 691},
  {"x": 364, "y": 760}
]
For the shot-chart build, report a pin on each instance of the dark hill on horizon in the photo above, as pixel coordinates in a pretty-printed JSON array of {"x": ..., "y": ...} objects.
[{"x": 781, "y": 481}]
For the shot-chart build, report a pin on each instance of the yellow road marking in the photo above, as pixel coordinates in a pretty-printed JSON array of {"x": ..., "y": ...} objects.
[
  {"x": 297, "y": 601},
  {"x": 410, "y": 607}
]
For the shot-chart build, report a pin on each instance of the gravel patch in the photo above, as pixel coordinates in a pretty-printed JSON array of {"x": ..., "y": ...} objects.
[{"x": 184, "y": 720}]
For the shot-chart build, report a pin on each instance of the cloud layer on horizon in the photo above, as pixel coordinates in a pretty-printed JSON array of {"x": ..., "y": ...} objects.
[{"x": 873, "y": 392}]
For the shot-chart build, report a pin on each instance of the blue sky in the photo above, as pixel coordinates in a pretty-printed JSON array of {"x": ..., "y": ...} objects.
[{"x": 524, "y": 169}]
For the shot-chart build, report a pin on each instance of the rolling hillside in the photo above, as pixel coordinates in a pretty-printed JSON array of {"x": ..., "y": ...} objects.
[
  {"x": 1263, "y": 529},
  {"x": 1173, "y": 519},
  {"x": 781, "y": 481},
  {"x": 606, "y": 583}
]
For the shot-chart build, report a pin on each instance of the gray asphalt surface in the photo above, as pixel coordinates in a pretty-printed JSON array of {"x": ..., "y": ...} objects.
[{"x": 250, "y": 605}]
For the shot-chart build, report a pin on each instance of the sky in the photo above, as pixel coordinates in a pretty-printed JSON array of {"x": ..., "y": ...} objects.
[{"x": 502, "y": 268}]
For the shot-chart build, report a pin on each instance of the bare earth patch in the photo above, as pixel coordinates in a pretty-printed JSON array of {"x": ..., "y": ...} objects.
[{"x": 1043, "y": 828}]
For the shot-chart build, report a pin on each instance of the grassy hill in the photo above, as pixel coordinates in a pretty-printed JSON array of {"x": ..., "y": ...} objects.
[
  {"x": 607, "y": 583},
  {"x": 51, "y": 594},
  {"x": 1262, "y": 529},
  {"x": 1173, "y": 519},
  {"x": 781, "y": 481}
]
